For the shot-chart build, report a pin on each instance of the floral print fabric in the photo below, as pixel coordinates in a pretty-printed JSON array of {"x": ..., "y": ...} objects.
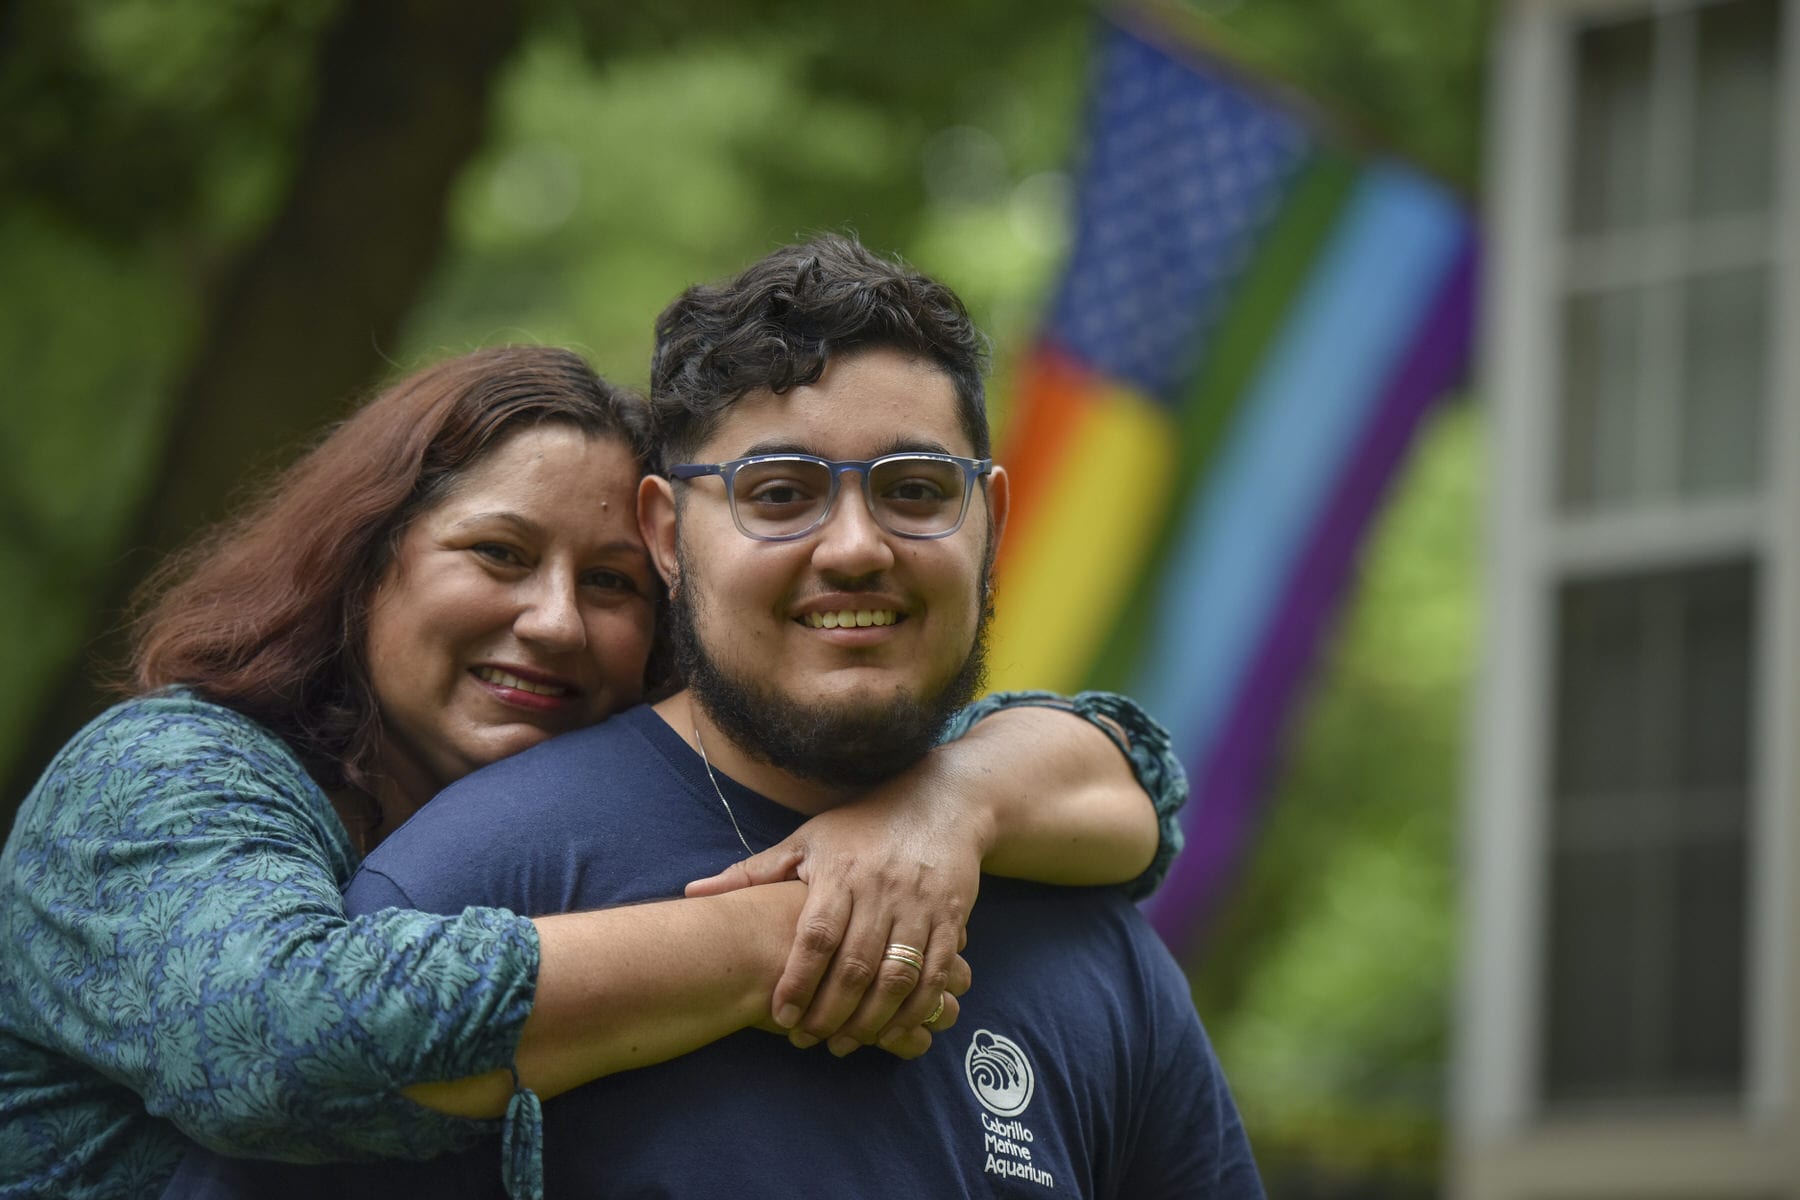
[{"x": 178, "y": 962}]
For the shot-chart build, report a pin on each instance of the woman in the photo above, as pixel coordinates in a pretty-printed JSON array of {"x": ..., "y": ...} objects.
[{"x": 179, "y": 961}]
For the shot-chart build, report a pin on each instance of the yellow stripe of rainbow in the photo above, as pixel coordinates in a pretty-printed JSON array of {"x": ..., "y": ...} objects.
[{"x": 1084, "y": 549}]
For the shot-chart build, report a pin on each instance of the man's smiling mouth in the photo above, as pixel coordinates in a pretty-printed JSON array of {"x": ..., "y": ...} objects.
[{"x": 849, "y": 618}]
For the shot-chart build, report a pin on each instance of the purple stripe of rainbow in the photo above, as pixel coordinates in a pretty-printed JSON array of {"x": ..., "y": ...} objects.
[{"x": 1228, "y": 774}]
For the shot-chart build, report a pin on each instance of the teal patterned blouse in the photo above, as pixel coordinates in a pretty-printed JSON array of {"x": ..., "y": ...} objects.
[{"x": 178, "y": 965}]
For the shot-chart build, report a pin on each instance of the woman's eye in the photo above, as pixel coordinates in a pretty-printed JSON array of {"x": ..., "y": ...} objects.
[
  {"x": 498, "y": 552},
  {"x": 612, "y": 581}
]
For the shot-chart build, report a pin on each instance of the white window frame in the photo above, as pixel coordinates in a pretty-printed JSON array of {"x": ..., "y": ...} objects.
[{"x": 1532, "y": 549}]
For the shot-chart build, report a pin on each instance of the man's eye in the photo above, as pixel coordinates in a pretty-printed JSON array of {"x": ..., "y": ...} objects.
[
  {"x": 779, "y": 493},
  {"x": 915, "y": 491}
]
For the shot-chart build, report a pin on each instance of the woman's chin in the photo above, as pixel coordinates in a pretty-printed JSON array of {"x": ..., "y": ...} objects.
[
  {"x": 505, "y": 739},
  {"x": 511, "y": 740}
]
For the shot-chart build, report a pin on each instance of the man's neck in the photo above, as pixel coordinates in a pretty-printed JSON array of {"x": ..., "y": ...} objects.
[{"x": 725, "y": 757}]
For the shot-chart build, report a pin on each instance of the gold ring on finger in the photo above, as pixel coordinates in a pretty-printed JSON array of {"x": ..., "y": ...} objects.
[
  {"x": 935, "y": 1012},
  {"x": 902, "y": 953}
]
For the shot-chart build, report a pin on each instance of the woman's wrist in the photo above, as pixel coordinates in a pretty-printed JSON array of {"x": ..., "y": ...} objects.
[
  {"x": 985, "y": 801},
  {"x": 958, "y": 793},
  {"x": 767, "y": 915}
]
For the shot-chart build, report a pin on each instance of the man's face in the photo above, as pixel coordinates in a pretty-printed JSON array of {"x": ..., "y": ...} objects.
[{"x": 852, "y": 704}]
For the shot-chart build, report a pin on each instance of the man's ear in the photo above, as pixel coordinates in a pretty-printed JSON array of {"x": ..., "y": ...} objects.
[
  {"x": 999, "y": 500},
  {"x": 656, "y": 524}
]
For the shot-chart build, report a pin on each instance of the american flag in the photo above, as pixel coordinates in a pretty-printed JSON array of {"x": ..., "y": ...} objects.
[{"x": 1186, "y": 171}]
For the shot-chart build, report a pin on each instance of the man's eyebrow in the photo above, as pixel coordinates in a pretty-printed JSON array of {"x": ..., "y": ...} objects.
[{"x": 897, "y": 445}]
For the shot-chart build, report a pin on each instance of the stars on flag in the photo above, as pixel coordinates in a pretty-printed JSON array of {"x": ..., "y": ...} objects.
[{"x": 1185, "y": 170}]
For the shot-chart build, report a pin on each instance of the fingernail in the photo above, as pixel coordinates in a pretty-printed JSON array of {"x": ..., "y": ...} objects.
[
  {"x": 787, "y": 1016},
  {"x": 843, "y": 1044},
  {"x": 891, "y": 1038},
  {"x": 802, "y": 1039}
]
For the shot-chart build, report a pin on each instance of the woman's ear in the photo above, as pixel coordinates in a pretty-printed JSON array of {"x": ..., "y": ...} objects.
[{"x": 656, "y": 525}]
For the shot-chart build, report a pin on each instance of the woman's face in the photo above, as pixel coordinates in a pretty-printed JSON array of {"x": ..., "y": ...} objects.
[{"x": 520, "y": 607}]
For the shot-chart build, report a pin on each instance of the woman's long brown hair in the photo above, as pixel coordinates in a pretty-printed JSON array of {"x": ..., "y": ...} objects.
[{"x": 268, "y": 613}]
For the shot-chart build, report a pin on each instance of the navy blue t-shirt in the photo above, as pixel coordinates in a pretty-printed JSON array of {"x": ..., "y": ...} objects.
[{"x": 1077, "y": 1067}]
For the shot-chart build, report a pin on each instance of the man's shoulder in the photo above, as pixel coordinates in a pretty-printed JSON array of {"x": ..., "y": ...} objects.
[
  {"x": 619, "y": 743},
  {"x": 1034, "y": 922},
  {"x": 562, "y": 777},
  {"x": 546, "y": 830},
  {"x": 1092, "y": 909}
]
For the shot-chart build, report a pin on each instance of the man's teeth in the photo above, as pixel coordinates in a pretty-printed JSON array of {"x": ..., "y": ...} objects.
[
  {"x": 507, "y": 679},
  {"x": 845, "y": 618}
]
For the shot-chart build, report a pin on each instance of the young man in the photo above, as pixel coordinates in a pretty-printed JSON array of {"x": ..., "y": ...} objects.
[{"x": 826, "y": 519}]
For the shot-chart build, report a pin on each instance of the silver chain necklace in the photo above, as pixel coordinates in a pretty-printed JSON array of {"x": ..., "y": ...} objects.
[{"x": 719, "y": 792}]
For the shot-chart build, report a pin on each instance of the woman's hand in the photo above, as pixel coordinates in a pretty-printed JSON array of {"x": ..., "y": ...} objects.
[
  {"x": 1037, "y": 793},
  {"x": 909, "y": 1041},
  {"x": 899, "y": 866}
]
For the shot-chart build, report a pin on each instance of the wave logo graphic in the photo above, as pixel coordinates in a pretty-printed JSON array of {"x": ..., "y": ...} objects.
[{"x": 999, "y": 1073}]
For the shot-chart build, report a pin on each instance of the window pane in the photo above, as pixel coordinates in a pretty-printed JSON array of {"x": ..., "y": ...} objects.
[
  {"x": 1734, "y": 118},
  {"x": 1603, "y": 397},
  {"x": 1644, "y": 949},
  {"x": 1714, "y": 766},
  {"x": 1725, "y": 382},
  {"x": 1706, "y": 1016},
  {"x": 1609, "y": 149},
  {"x": 1605, "y": 725},
  {"x": 1590, "y": 964}
]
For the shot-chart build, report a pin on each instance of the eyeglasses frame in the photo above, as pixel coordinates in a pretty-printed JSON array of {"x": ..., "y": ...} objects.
[{"x": 972, "y": 469}]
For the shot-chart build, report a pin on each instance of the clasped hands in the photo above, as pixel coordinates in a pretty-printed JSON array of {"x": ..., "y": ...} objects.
[{"x": 898, "y": 866}]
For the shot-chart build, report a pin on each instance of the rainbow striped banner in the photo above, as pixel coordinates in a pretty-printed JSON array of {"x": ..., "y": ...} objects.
[{"x": 1251, "y": 325}]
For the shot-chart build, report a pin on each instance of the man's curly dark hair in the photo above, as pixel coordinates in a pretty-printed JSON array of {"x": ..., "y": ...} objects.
[{"x": 776, "y": 326}]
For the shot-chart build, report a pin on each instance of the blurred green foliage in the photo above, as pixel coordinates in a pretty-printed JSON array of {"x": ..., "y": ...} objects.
[
  {"x": 89, "y": 335},
  {"x": 1403, "y": 75},
  {"x": 564, "y": 231},
  {"x": 634, "y": 150}
]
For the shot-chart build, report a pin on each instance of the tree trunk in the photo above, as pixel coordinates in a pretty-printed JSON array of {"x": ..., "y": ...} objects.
[{"x": 301, "y": 320}]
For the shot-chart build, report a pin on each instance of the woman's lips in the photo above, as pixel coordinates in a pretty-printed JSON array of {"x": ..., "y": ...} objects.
[{"x": 537, "y": 693}]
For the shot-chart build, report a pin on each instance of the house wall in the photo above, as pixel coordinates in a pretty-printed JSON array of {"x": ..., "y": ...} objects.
[{"x": 1510, "y": 1143}]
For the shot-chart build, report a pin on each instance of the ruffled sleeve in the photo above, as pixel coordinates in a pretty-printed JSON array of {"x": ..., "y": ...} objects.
[{"x": 1144, "y": 742}]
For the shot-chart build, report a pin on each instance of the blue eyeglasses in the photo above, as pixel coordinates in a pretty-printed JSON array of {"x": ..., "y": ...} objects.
[{"x": 782, "y": 497}]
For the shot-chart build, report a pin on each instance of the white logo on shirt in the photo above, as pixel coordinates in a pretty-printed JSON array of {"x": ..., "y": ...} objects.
[
  {"x": 999, "y": 1073},
  {"x": 1002, "y": 1079}
]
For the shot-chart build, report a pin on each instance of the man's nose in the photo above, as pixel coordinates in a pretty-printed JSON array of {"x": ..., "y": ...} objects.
[{"x": 851, "y": 541}]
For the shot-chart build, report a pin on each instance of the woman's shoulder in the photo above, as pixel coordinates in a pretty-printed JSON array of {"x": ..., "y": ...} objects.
[
  {"x": 173, "y": 735},
  {"x": 173, "y": 717},
  {"x": 170, "y": 778}
]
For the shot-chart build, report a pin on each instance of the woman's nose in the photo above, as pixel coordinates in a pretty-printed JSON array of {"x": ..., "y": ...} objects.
[{"x": 551, "y": 616}]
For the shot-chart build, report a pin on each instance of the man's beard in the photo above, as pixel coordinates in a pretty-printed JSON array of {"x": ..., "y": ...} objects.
[{"x": 840, "y": 745}]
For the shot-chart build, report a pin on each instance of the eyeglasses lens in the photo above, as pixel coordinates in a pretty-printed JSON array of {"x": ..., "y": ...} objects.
[
  {"x": 780, "y": 497},
  {"x": 917, "y": 495}
]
